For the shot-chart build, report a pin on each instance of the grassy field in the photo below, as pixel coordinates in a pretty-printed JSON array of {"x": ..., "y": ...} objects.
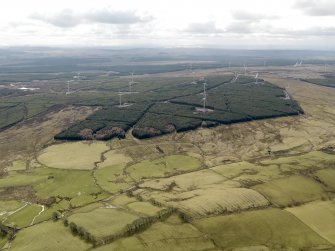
[
  {"x": 163, "y": 167},
  {"x": 185, "y": 182},
  {"x": 210, "y": 200},
  {"x": 248, "y": 174},
  {"x": 327, "y": 176},
  {"x": 61, "y": 238},
  {"x": 65, "y": 183},
  {"x": 102, "y": 222},
  {"x": 18, "y": 165},
  {"x": 225, "y": 181},
  {"x": 113, "y": 179},
  {"x": 163, "y": 236},
  {"x": 291, "y": 191},
  {"x": 114, "y": 158},
  {"x": 24, "y": 217},
  {"x": 144, "y": 208},
  {"x": 319, "y": 216},
  {"x": 274, "y": 228},
  {"x": 80, "y": 155}
]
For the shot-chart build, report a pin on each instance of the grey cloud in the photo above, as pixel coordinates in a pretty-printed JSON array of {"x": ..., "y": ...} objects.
[
  {"x": 314, "y": 31},
  {"x": 316, "y": 7},
  {"x": 239, "y": 27},
  {"x": 249, "y": 16},
  {"x": 203, "y": 28},
  {"x": 67, "y": 18},
  {"x": 64, "y": 19},
  {"x": 116, "y": 17}
]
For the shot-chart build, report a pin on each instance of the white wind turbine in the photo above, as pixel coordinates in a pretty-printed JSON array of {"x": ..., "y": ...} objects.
[{"x": 256, "y": 77}]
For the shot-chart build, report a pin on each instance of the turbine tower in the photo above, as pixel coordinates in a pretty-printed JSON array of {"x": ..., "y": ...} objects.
[
  {"x": 131, "y": 82},
  {"x": 236, "y": 76},
  {"x": 204, "y": 98},
  {"x": 68, "y": 88},
  {"x": 120, "y": 98},
  {"x": 245, "y": 69},
  {"x": 256, "y": 77}
]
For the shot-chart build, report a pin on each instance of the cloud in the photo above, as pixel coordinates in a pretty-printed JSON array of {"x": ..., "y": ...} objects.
[
  {"x": 248, "y": 16},
  {"x": 313, "y": 31},
  {"x": 116, "y": 17},
  {"x": 203, "y": 28},
  {"x": 67, "y": 18},
  {"x": 316, "y": 7},
  {"x": 239, "y": 27}
]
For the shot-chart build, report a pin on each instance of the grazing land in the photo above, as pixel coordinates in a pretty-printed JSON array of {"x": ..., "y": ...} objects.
[{"x": 245, "y": 176}]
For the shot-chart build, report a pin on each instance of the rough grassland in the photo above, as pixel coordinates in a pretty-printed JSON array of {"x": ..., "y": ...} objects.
[
  {"x": 184, "y": 182},
  {"x": 163, "y": 166},
  {"x": 114, "y": 158},
  {"x": 312, "y": 161},
  {"x": 319, "y": 216},
  {"x": 24, "y": 217},
  {"x": 215, "y": 199},
  {"x": 9, "y": 206},
  {"x": 112, "y": 178},
  {"x": 48, "y": 236},
  {"x": 274, "y": 228},
  {"x": 103, "y": 221},
  {"x": 65, "y": 183},
  {"x": 247, "y": 173},
  {"x": 162, "y": 236},
  {"x": 327, "y": 176},
  {"x": 144, "y": 208},
  {"x": 17, "y": 165},
  {"x": 17, "y": 179},
  {"x": 79, "y": 155},
  {"x": 290, "y": 191}
]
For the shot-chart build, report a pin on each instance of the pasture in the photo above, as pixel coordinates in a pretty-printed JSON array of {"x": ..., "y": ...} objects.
[
  {"x": 274, "y": 228},
  {"x": 291, "y": 191},
  {"x": 79, "y": 155}
]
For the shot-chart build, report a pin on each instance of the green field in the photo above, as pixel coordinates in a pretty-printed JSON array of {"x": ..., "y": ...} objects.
[
  {"x": 164, "y": 236},
  {"x": 274, "y": 228},
  {"x": 103, "y": 222},
  {"x": 161, "y": 167},
  {"x": 79, "y": 155},
  {"x": 77, "y": 172},
  {"x": 61, "y": 238},
  {"x": 291, "y": 191},
  {"x": 327, "y": 177},
  {"x": 113, "y": 179},
  {"x": 319, "y": 216}
]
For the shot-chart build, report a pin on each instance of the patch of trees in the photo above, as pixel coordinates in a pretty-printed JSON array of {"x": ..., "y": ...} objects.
[
  {"x": 152, "y": 115},
  {"x": 8, "y": 231}
]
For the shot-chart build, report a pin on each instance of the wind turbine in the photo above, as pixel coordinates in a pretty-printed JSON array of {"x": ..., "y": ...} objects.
[
  {"x": 245, "y": 69},
  {"x": 256, "y": 77},
  {"x": 236, "y": 76},
  {"x": 68, "y": 88},
  {"x": 204, "y": 99},
  {"x": 120, "y": 98},
  {"x": 131, "y": 82}
]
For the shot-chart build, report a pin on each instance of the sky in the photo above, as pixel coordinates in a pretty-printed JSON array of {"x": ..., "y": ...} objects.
[{"x": 233, "y": 24}]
